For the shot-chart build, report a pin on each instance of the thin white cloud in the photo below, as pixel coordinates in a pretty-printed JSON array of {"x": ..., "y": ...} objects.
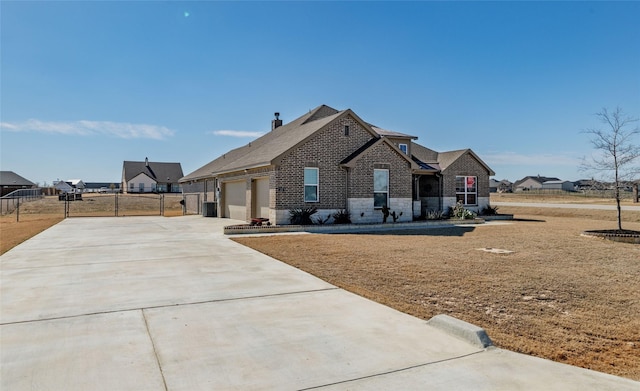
[
  {"x": 535, "y": 159},
  {"x": 90, "y": 128},
  {"x": 236, "y": 133}
]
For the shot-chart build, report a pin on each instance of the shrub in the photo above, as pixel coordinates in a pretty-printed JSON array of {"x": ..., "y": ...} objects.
[
  {"x": 302, "y": 216},
  {"x": 460, "y": 212},
  {"x": 342, "y": 217},
  {"x": 386, "y": 212}
]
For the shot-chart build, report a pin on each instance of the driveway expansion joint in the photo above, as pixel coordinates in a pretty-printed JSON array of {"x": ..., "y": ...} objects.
[
  {"x": 155, "y": 351},
  {"x": 169, "y": 305},
  {"x": 393, "y": 371}
]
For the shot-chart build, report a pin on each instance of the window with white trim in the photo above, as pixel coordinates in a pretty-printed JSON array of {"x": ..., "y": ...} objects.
[
  {"x": 311, "y": 184},
  {"x": 403, "y": 148},
  {"x": 380, "y": 188},
  {"x": 467, "y": 190},
  {"x": 131, "y": 187}
]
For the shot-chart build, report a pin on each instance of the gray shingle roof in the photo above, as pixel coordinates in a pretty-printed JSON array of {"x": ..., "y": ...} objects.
[
  {"x": 537, "y": 178},
  {"x": 390, "y": 133},
  {"x": 267, "y": 149},
  {"x": 155, "y": 170},
  {"x": 442, "y": 160},
  {"x": 10, "y": 178},
  {"x": 424, "y": 154},
  {"x": 264, "y": 150}
]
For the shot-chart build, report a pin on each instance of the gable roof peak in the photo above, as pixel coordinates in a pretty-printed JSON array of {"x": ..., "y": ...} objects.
[{"x": 319, "y": 112}]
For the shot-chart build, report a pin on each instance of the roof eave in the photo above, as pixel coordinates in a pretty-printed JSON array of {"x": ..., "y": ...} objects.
[
  {"x": 244, "y": 168},
  {"x": 422, "y": 171}
]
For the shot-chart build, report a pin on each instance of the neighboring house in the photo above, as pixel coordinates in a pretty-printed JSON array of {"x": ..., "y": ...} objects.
[
  {"x": 151, "y": 177},
  {"x": 503, "y": 186},
  {"x": 69, "y": 186},
  {"x": 333, "y": 160},
  {"x": 558, "y": 185},
  {"x": 63, "y": 187},
  {"x": 589, "y": 184},
  {"x": 10, "y": 181},
  {"x": 531, "y": 183},
  {"x": 102, "y": 187},
  {"x": 77, "y": 184}
]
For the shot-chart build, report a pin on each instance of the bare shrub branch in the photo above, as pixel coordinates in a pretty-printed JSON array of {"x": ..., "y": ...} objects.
[{"x": 616, "y": 151}]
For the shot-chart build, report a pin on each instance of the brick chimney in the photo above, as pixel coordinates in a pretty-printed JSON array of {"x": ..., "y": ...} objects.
[{"x": 276, "y": 122}]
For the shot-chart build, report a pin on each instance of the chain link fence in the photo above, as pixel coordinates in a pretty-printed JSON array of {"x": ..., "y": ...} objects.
[{"x": 97, "y": 205}]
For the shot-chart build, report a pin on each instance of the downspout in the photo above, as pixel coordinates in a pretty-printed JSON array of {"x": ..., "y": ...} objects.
[
  {"x": 346, "y": 188},
  {"x": 416, "y": 190},
  {"x": 440, "y": 190},
  {"x": 205, "y": 190}
]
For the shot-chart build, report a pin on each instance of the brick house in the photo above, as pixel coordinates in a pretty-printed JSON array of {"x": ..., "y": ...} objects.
[{"x": 334, "y": 160}]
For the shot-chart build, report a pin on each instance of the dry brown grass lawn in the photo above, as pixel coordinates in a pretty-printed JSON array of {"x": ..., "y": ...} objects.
[
  {"x": 12, "y": 232},
  {"x": 559, "y": 296}
]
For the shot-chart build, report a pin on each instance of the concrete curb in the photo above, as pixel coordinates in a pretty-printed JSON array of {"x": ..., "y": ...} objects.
[
  {"x": 346, "y": 228},
  {"x": 471, "y": 333}
]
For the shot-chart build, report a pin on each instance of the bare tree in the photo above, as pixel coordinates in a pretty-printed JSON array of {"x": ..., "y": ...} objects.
[{"x": 616, "y": 151}]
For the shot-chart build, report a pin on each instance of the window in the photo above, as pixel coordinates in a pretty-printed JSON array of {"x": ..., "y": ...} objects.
[
  {"x": 310, "y": 184},
  {"x": 346, "y": 130},
  {"x": 403, "y": 148},
  {"x": 467, "y": 190},
  {"x": 141, "y": 187},
  {"x": 380, "y": 188},
  {"x": 131, "y": 186}
]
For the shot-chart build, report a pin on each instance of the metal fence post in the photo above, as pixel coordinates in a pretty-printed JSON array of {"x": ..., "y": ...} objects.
[{"x": 18, "y": 211}]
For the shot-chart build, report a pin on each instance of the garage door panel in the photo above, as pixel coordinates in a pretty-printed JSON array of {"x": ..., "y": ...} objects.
[
  {"x": 235, "y": 200},
  {"x": 261, "y": 198}
]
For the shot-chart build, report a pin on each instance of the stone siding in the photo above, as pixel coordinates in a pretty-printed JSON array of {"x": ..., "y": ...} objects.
[{"x": 362, "y": 211}]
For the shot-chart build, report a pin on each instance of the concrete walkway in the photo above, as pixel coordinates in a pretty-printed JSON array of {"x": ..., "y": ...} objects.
[{"x": 153, "y": 303}]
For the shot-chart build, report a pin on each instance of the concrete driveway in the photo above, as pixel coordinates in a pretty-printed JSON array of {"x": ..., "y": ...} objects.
[{"x": 153, "y": 303}]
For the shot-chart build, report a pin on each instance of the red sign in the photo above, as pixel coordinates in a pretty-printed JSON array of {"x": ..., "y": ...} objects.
[{"x": 471, "y": 181}]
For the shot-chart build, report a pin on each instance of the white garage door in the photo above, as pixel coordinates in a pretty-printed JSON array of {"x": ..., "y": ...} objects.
[
  {"x": 261, "y": 198},
  {"x": 235, "y": 200}
]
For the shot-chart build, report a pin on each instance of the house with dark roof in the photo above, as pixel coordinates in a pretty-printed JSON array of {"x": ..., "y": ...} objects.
[
  {"x": 503, "y": 186},
  {"x": 333, "y": 160},
  {"x": 10, "y": 181},
  {"x": 532, "y": 183},
  {"x": 151, "y": 177}
]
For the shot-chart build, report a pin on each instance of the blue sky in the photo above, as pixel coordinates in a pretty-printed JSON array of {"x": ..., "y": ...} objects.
[{"x": 86, "y": 85}]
